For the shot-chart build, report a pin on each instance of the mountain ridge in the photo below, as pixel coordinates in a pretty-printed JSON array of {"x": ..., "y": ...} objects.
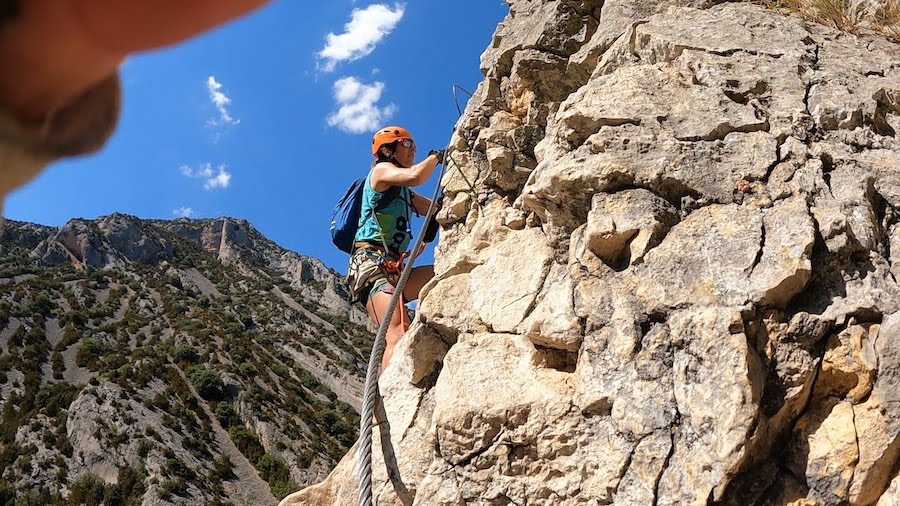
[{"x": 197, "y": 357}]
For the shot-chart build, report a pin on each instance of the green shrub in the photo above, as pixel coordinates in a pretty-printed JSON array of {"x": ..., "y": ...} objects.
[
  {"x": 186, "y": 354},
  {"x": 227, "y": 416},
  {"x": 184, "y": 416},
  {"x": 70, "y": 334},
  {"x": 65, "y": 447},
  {"x": 53, "y": 397},
  {"x": 175, "y": 467},
  {"x": 160, "y": 402},
  {"x": 40, "y": 305},
  {"x": 144, "y": 448},
  {"x": 247, "y": 370},
  {"x": 208, "y": 384},
  {"x": 282, "y": 489},
  {"x": 272, "y": 469},
  {"x": 276, "y": 473},
  {"x": 90, "y": 354},
  {"x": 222, "y": 468},
  {"x": 5, "y": 311},
  {"x": 88, "y": 489},
  {"x": 305, "y": 458},
  {"x": 17, "y": 339},
  {"x": 308, "y": 380},
  {"x": 129, "y": 488},
  {"x": 58, "y": 365},
  {"x": 7, "y": 492},
  {"x": 247, "y": 443},
  {"x": 175, "y": 486}
]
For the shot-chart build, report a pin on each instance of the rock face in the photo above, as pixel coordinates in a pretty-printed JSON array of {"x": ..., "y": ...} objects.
[{"x": 667, "y": 271}]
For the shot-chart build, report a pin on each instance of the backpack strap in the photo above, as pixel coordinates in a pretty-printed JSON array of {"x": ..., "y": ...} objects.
[{"x": 387, "y": 197}]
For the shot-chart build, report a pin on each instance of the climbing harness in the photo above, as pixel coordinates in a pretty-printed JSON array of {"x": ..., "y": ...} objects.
[
  {"x": 394, "y": 267},
  {"x": 371, "y": 394}
]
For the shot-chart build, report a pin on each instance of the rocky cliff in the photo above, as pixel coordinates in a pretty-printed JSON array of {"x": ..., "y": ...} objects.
[
  {"x": 667, "y": 270},
  {"x": 170, "y": 362}
]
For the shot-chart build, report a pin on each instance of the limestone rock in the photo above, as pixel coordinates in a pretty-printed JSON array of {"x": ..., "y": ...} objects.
[
  {"x": 638, "y": 485},
  {"x": 848, "y": 444},
  {"x": 629, "y": 155},
  {"x": 850, "y": 363},
  {"x": 553, "y": 322},
  {"x": 826, "y": 451},
  {"x": 839, "y": 291},
  {"x": 522, "y": 427},
  {"x": 847, "y": 93},
  {"x": 667, "y": 274},
  {"x": 632, "y": 220},
  {"x": 717, "y": 386},
  {"x": 891, "y": 496},
  {"x": 877, "y": 420},
  {"x": 505, "y": 286},
  {"x": 449, "y": 306},
  {"x": 784, "y": 266},
  {"x": 554, "y": 27},
  {"x": 724, "y": 243},
  {"x": 894, "y": 247},
  {"x": 785, "y": 347}
]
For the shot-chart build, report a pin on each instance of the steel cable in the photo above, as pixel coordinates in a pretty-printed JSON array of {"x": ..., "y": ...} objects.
[{"x": 371, "y": 394}]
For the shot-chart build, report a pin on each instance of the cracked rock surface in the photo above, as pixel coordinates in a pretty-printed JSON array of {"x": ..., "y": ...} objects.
[{"x": 666, "y": 274}]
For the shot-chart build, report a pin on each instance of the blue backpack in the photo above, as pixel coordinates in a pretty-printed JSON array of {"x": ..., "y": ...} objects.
[{"x": 345, "y": 218}]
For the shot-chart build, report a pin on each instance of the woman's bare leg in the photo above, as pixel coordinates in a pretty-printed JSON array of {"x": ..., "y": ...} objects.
[
  {"x": 378, "y": 304},
  {"x": 417, "y": 279},
  {"x": 377, "y": 307}
]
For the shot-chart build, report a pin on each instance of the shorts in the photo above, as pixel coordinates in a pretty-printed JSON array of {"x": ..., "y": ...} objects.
[{"x": 367, "y": 276}]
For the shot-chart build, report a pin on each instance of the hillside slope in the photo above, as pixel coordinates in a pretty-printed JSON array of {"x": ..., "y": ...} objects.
[{"x": 170, "y": 362}]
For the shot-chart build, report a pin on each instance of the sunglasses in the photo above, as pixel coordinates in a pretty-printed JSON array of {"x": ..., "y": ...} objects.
[{"x": 407, "y": 143}]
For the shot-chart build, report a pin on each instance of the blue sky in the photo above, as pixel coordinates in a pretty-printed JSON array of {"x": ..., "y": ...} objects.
[{"x": 270, "y": 118}]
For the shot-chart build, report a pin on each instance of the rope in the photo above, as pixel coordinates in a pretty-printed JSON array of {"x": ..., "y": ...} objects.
[
  {"x": 371, "y": 394},
  {"x": 456, "y": 99}
]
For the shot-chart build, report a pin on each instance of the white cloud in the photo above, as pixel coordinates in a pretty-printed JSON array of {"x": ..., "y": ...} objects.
[
  {"x": 221, "y": 101},
  {"x": 204, "y": 171},
  {"x": 183, "y": 212},
  {"x": 211, "y": 179},
  {"x": 358, "y": 110},
  {"x": 364, "y": 31},
  {"x": 221, "y": 180}
]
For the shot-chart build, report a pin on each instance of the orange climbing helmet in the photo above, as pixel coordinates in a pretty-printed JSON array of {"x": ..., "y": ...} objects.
[{"x": 388, "y": 135}]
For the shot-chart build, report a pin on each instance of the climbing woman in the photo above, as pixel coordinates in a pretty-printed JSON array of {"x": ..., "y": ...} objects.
[{"x": 384, "y": 230}]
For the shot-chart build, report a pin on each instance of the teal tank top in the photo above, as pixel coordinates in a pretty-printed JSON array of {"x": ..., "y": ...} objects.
[{"x": 393, "y": 226}]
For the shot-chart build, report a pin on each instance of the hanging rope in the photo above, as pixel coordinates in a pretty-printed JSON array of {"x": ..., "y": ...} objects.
[{"x": 371, "y": 394}]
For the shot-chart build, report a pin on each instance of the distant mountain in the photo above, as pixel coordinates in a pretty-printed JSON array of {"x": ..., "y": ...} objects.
[{"x": 170, "y": 362}]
